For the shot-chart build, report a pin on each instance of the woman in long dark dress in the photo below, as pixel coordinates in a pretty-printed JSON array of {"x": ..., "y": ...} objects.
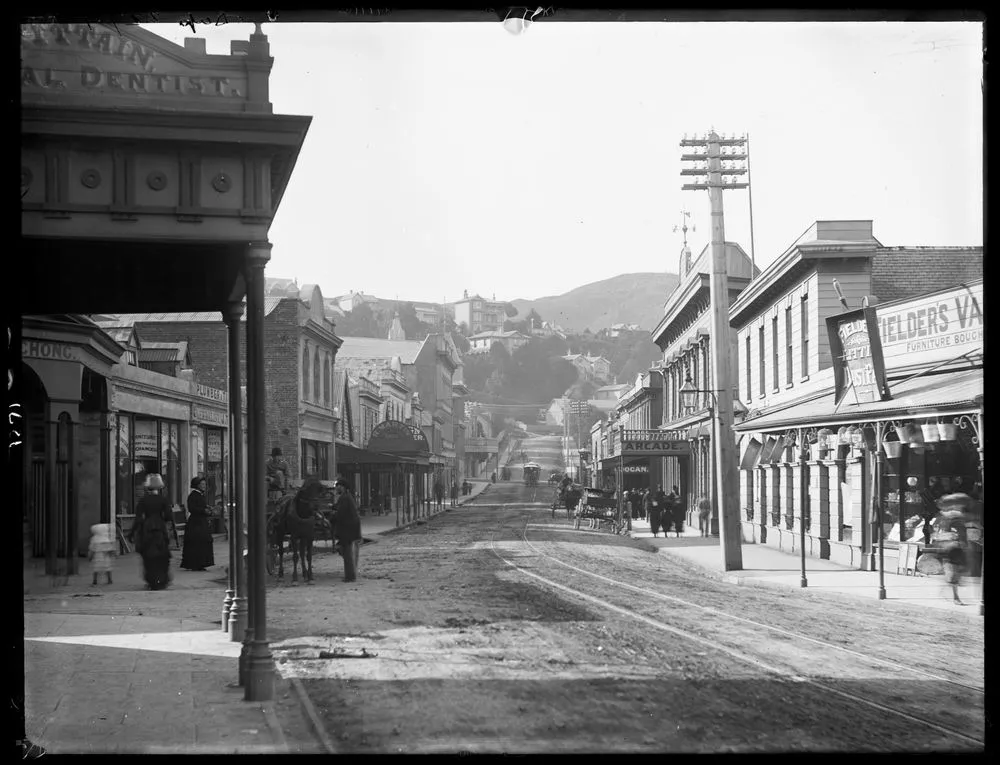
[
  {"x": 198, "y": 554},
  {"x": 152, "y": 540}
]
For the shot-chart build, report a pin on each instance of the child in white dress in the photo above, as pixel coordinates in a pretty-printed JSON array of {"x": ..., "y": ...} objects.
[{"x": 102, "y": 550}]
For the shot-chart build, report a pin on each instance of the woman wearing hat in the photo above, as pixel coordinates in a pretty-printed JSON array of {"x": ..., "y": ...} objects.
[
  {"x": 152, "y": 540},
  {"x": 198, "y": 554}
]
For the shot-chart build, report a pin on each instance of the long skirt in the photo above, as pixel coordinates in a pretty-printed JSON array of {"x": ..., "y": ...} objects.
[
  {"x": 654, "y": 521},
  {"x": 198, "y": 552},
  {"x": 156, "y": 569}
]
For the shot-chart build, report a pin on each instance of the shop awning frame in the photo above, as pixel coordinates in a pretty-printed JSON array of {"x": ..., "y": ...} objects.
[{"x": 925, "y": 397}]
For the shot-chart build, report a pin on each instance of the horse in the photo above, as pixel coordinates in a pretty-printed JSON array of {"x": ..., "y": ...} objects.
[{"x": 295, "y": 515}]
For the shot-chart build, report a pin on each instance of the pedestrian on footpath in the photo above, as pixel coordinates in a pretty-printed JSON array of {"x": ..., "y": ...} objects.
[
  {"x": 102, "y": 550},
  {"x": 705, "y": 516},
  {"x": 951, "y": 540},
  {"x": 347, "y": 530},
  {"x": 439, "y": 493},
  {"x": 152, "y": 540},
  {"x": 198, "y": 553},
  {"x": 677, "y": 510},
  {"x": 454, "y": 493},
  {"x": 646, "y": 502},
  {"x": 656, "y": 508}
]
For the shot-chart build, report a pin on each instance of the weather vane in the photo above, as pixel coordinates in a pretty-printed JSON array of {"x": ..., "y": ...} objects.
[{"x": 684, "y": 226}]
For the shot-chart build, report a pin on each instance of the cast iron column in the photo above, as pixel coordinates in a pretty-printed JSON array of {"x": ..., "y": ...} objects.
[
  {"x": 236, "y": 623},
  {"x": 259, "y": 685},
  {"x": 253, "y": 440},
  {"x": 803, "y": 499}
]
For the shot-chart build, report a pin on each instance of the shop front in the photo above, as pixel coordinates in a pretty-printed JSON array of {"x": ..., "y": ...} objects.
[
  {"x": 855, "y": 472},
  {"x": 62, "y": 420},
  {"x": 408, "y": 482}
]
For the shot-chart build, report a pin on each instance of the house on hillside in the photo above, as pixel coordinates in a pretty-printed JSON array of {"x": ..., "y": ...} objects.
[
  {"x": 615, "y": 330},
  {"x": 479, "y": 314},
  {"x": 483, "y": 342},
  {"x": 352, "y": 300},
  {"x": 591, "y": 368}
]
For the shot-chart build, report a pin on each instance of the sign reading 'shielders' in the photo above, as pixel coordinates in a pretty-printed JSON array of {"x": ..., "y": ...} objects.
[
  {"x": 931, "y": 328},
  {"x": 858, "y": 368}
]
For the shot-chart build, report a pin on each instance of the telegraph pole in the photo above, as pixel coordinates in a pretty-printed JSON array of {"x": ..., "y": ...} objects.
[{"x": 716, "y": 167}]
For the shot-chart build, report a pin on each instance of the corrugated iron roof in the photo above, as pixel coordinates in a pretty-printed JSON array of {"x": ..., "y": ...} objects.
[
  {"x": 160, "y": 354},
  {"x": 128, "y": 319},
  {"x": 379, "y": 348},
  {"x": 948, "y": 391}
]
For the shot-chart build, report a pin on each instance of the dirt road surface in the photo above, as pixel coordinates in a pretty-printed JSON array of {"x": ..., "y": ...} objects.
[{"x": 496, "y": 628}]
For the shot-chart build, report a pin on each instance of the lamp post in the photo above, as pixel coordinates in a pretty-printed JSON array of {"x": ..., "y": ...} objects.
[
  {"x": 689, "y": 401},
  {"x": 879, "y": 470}
]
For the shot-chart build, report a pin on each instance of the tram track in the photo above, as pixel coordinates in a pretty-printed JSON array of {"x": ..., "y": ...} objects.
[{"x": 790, "y": 655}]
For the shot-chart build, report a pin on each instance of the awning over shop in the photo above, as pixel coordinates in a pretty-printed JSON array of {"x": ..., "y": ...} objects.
[
  {"x": 751, "y": 454},
  {"x": 351, "y": 455},
  {"x": 926, "y": 395}
]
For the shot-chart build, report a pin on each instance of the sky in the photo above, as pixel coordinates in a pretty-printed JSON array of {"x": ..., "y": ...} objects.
[{"x": 445, "y": 157}]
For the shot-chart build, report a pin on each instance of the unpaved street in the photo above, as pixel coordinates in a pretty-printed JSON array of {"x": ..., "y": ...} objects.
[{"x": 486, "y": 629}]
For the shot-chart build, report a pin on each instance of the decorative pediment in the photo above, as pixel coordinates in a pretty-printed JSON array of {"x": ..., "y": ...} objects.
[{"x": 126, "y": 66}]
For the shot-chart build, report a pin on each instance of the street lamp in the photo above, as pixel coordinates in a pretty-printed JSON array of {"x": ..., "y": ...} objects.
[{"x": 689, "y": 402}]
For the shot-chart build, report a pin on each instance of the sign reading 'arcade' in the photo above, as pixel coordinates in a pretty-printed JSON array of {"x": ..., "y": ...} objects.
[{"x": 653, "y": 443}]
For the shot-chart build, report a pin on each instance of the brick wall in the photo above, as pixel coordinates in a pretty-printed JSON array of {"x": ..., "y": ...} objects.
[
  {"x": 281, "y": 370},
  {"x": 208, "y": 344},
  {"x": 906, "y": 272}
]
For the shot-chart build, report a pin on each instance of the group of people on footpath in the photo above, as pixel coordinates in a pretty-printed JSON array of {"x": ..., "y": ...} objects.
[{"x": 664, "y": 510}]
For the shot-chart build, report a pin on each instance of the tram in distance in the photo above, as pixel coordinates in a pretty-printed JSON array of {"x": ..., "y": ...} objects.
[{"x": 532, "y": 470}]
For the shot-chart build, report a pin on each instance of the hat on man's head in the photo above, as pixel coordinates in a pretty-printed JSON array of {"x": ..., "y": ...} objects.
[
  {"x": 195, "y": 481},
  {"x": 154, "y": 481},
  {"x": 276, "y": 451}
]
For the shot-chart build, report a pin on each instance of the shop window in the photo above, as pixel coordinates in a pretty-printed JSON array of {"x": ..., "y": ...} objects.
[
  {"x": 315, "y": 460},
  {"x": 123, "y": 483},
  {"x": 147, "y": 446}
]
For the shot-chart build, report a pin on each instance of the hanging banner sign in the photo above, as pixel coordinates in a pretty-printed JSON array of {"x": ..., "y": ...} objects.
[
  {"x": 635, "y": 469},
  {"x": 858, "y": 367}
]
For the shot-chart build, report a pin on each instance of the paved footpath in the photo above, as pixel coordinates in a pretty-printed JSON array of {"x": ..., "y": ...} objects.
[
  {"x": 767, "y": 566},
  {"x": 114, "y": 669}
]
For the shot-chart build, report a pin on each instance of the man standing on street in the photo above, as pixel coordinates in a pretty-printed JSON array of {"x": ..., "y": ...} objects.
[
  {"x": 347, "y": 530},
  {"x": 454, "y": 493},
  {"x": 439, "y": 493}
]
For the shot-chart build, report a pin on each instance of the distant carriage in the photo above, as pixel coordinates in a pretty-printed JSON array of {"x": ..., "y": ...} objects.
[{"x": 532, "y": 471}]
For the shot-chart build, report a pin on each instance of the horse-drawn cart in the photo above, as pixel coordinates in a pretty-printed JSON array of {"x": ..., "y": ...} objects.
[
  {"x": 598, "y": 507},
  {"x": 284, "y": 531}
]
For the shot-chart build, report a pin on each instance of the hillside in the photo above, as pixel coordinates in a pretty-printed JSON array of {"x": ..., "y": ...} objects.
[{"x": 623, "y": 299}]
